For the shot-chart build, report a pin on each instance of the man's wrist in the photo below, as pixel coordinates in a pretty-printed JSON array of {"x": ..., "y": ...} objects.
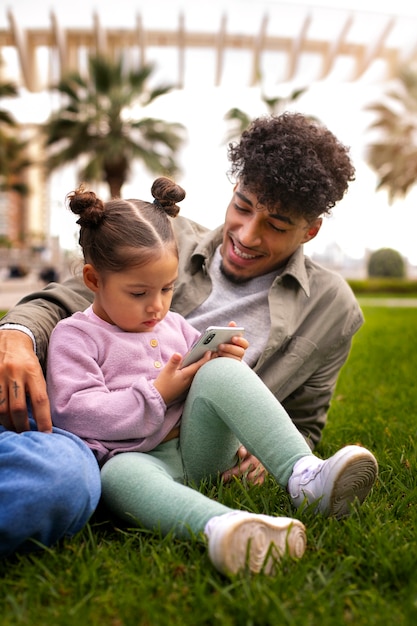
[{"x": 23, "y": 329}]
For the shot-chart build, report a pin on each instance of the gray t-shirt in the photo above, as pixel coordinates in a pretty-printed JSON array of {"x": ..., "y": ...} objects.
[{"x": 246, "y": 304}]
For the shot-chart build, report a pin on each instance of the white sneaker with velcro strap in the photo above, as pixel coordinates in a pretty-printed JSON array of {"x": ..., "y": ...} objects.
[
  {"x": 239, "y": 540},
  {"x": 334, "y": 484}
]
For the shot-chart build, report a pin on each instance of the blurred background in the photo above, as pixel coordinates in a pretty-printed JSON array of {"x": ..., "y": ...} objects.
[{"x": 115, "y": 94}]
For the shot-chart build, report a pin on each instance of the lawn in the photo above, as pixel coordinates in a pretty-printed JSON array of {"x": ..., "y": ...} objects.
[{"x": 362, "y": 570}]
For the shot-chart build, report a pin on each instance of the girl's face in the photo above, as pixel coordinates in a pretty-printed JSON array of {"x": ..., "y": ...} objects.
[{"x": 138, "y": 298}]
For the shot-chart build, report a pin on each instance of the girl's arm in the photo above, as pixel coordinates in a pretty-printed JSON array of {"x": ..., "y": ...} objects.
[{"x": 81, "y": 400}]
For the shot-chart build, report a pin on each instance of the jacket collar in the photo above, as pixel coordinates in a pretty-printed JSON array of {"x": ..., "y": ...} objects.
[
  {"x": 296, "y": 267},
  {"x": 205, "y": 249}
]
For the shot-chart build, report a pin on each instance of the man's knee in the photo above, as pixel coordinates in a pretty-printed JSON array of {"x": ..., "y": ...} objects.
[{"x": 49, "y": 487}]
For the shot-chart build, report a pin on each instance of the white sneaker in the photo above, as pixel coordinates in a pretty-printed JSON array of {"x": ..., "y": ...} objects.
[
  {"x": 238, "y": 540},
  {"x": 335, "y": 483}
]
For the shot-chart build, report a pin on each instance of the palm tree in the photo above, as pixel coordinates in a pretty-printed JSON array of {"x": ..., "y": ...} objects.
[
  {"x": 239, "y": 120},
  {"x": 393, "y": 153},
  {"x": 96, "y": 123},
  {"x": 7, "y": 90},
  {"x": 13, "y": 159}
]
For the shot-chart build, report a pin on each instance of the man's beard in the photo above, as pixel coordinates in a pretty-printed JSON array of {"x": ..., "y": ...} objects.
[{"x": 236, "y": 280}]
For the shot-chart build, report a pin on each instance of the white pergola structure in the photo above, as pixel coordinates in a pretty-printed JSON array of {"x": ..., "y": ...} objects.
[
  {"x": 291, "y": 43},
  {"x": 327, "y": 38}
]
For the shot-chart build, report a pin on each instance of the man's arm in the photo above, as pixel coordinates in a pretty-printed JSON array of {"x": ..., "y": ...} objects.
[
  {"x": 21, "y": 374},
  {"x": 309, "y": 403},
  {"x": 41, "y": 310}
]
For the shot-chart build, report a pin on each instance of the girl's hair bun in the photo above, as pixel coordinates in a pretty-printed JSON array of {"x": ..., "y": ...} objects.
[
  {"x": 88, "y": 206},
  {"x": 166, "y": 194}
]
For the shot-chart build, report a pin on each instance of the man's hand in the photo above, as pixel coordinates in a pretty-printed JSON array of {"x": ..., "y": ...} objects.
[
  {"x": 21, "y": 375},
  {"x": 247, "y": 466}
]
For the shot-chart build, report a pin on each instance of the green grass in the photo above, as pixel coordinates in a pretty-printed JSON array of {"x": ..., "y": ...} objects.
[
  {"x": 360, "y": 571},
  {"x": 384, "y": 286}
]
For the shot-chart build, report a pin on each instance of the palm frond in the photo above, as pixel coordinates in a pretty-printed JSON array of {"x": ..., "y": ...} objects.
[
  {"x": 98, "y": 122},
  {"x": 394, "y": 155}
]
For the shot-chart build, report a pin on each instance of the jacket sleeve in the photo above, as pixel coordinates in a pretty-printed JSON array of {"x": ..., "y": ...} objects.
[
  {"x": 311, "y": 337},
  {"x": 41, "y": 311},
  {"x": 309, "y": 403}
]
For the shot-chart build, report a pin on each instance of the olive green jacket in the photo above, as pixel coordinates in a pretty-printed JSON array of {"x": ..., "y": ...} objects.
[
  {"x": 313, "y": 311},
  {"x": 314, "y": 315}
]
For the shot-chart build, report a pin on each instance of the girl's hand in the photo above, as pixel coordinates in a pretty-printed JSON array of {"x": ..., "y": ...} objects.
[
  {"x": 234, "y": 350},
  {"x": 172, "y": 382}
]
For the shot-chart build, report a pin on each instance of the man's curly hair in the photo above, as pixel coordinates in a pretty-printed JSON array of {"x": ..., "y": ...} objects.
[{"x": 292, "y": 161}]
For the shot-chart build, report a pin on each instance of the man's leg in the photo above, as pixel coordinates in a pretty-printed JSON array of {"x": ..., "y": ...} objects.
[{"x": 49, "y": 487}]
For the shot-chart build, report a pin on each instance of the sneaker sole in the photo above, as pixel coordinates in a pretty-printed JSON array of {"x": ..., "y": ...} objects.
[
  {"x": 354, "y": 475},
  {"x": 257, "y": 543}
]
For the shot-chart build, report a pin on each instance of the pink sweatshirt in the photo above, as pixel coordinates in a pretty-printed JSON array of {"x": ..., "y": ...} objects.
[{"x": 100, "y": 381}]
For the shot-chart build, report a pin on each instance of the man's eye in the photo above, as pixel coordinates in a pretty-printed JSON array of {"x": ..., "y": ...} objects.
[
  {"x": 241, "y": 209},
  {"x": 276, "y": 228}
]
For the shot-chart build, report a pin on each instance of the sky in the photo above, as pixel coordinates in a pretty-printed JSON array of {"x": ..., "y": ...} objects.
[{"x": 362, "y": 221}]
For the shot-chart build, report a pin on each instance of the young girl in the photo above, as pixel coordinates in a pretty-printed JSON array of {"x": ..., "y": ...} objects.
[{"x": 115, "y": 379}]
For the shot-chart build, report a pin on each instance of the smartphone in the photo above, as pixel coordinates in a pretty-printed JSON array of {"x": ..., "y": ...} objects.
[{"x": 210, "y": 339}]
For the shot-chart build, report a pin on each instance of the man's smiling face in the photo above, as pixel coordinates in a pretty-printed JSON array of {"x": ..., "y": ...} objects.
[{"x": 257, "y": 241}]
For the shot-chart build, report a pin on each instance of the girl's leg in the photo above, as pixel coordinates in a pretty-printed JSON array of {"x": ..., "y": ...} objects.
[
  {"x": 227, "y": 404},
  {"x": 148, "y": 488},
  {"x": 143, "y": 488}
]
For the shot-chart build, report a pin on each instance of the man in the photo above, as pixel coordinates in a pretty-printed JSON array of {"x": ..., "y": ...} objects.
[{"x": 299, "y": 317}]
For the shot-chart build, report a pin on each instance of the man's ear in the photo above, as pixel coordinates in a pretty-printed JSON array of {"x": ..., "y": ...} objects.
[
  {"x": 90, "y": 276},
  {"x": 312, "y": 230}
]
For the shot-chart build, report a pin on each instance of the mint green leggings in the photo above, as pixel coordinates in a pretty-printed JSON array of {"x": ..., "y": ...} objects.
[{"x": 227, "y": 405}]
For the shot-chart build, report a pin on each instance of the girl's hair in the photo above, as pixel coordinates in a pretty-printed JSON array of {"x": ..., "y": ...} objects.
[{"x": 119, "y": 234}]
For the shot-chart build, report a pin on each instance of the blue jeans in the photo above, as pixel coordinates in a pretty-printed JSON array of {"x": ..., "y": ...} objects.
[{"x": 49, "y": 487}]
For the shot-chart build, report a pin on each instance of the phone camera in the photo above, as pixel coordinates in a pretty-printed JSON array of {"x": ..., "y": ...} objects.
[{"x": 209, "y": 338}]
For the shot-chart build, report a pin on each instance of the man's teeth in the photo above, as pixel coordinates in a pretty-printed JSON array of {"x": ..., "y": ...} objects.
[{"x": 242, "y": 254}]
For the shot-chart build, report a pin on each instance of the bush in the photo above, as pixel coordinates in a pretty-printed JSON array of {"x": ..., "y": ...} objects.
[
  {"x": 384, "y": 286},
  {"x": 386, "y": 262}
]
